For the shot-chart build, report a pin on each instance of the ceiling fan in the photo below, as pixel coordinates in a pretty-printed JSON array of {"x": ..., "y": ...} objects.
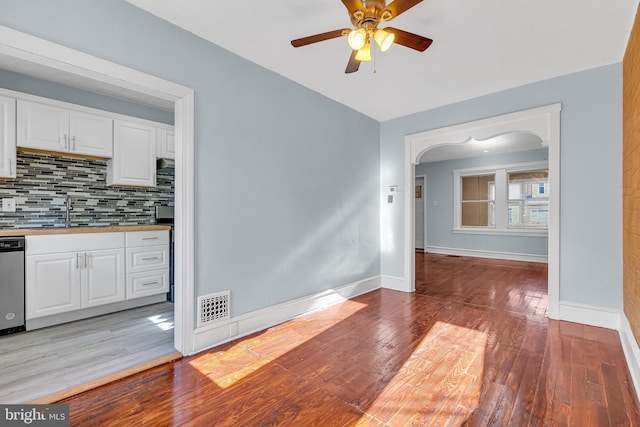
[{"x": 365, "y": 16}]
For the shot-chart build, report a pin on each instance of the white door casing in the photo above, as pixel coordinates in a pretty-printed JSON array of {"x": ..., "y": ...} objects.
[
  {"x": 46, "y": 60},
  {"x": 543, "y": 122},
  {"x": 420, "y": 224}
]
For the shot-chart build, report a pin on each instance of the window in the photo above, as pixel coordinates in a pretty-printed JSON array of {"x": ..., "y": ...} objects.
[
  {"x": 528, "y": 199},
  {"x": 478, "y": 195},
  {"x": 508, "y": 199}
]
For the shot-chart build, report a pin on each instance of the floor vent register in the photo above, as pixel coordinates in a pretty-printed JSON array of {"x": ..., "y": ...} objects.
[{"x": 214, "y": 307}]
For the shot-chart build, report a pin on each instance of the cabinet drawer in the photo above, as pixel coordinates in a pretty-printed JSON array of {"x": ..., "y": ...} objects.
[
  {"x": 147, "y": 258},
  {"x": 54, "y": 243},
  {"x": 147, "y": 283},
  {"x": 147, "y": 238}
]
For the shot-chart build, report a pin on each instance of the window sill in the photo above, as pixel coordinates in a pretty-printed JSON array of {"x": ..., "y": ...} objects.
[{"x": 502, "y": 232}]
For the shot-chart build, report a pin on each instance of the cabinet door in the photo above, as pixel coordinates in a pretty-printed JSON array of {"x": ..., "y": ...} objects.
[
  {"x": 166, "y": 144},
  {"x": 134, "y": 155},
  {"x": 103, "y": 277},
  {"x": 91, "y": 134},
  {"x": 52, "y": 284},
  {"x": 42, "y": 127},
  {"x": 7, "y": 137}
]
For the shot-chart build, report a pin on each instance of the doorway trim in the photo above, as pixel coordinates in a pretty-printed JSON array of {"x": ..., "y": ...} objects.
[
  {"x": 543, "y": 122},
  {"x": 424, "y": 212},
  {"x": 48, "y": 59}
]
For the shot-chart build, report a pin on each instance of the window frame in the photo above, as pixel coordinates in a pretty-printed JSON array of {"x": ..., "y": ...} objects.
[{"x": 501, "y": 201}]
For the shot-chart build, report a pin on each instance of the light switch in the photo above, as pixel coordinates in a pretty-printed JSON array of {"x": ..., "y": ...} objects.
[{"x": 8, "y": 205}]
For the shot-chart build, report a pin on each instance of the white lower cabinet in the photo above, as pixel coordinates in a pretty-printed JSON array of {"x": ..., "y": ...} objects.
[
  {"x": 72, "y": 272},
  {"x": 102, "y": 277},
  {"x": 52, "y": 284},
  {"x": 69, "y": 272},
  {"x": 147, "y": 263},
  {"x": 147, "y": 283}
]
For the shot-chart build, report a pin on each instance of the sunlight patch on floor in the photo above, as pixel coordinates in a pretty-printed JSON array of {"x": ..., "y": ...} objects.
[
  {"x": 162, "y": 322},
  {"x": 239, "y": 359},
  {"x": 439, "y": 382}
]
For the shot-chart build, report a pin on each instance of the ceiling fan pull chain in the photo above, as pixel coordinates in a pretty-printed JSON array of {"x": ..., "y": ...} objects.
[{"x": 374, "y": 58}]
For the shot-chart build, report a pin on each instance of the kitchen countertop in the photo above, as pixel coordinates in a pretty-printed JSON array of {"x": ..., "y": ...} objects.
[{"x": 78, "y": 230}]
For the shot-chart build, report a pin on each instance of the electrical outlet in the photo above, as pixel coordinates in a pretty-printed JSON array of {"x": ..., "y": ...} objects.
[{"x": 8, "y": 205}]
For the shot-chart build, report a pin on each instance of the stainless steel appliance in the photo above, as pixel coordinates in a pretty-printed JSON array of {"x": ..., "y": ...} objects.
[
  {"x": 11, "y": 285},
  {"x": 164, "y": 216}
]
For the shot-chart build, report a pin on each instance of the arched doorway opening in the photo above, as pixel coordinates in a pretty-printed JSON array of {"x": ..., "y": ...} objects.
[{"x": 543, "y": 122}]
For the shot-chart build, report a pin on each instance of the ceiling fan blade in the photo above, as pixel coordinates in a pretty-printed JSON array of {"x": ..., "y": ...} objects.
[
  {"x": 410, "y": 40},
  {"x": 353, "y": 64},
  {"x": 320, "y": 37},
  {"x": 397, "y": 7},
  {"x": 353, "y": 5}
]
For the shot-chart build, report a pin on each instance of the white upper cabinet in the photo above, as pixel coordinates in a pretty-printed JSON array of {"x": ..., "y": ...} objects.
[
  {"x": 51, "y": 128},
  {"x": 7, "y": 137},
  {"x": 91, "y": 134},
  {"x": 134, "y": 155},
  {"x": 166, "y": 147}
]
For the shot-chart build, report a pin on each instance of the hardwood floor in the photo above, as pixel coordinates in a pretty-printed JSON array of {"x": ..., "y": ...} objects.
[
  {"x": 76, "y": 355},
  {"x": 471, "y": 347}
]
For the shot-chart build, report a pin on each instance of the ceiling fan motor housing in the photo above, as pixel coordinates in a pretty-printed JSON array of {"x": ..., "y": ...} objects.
[{"x": 372, "y": 12}]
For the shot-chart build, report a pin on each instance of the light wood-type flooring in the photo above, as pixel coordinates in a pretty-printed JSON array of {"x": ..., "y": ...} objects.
[
  {"x": 48, "y": 361},
  {"x": 471, "y": 346}
]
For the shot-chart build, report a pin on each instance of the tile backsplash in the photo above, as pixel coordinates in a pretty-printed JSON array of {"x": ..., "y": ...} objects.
[{"x": 43, "y": 183}]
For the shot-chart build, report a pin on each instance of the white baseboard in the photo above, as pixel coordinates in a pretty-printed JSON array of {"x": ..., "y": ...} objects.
[
  {"x": 631, "y": 351},
  {"x": 511, "y": 256},
  {"x": 237, "y": 327},
  {"x": 590, "y": 315},
  {"x": 395, "y": 283}
]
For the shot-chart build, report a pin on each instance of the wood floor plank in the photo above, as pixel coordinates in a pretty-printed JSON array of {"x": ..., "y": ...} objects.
[{"x": 472, "y": 346}]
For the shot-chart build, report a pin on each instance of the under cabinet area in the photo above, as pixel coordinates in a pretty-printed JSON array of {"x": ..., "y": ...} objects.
[
  {"x": 72, "y": 276},
  {"x": 55, "y": 129}
]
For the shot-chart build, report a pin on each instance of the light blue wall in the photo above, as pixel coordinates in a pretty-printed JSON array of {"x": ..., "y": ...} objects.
[
  {"x": 590, "y": 175},
  {"x": 439, "y": 217},
  {"x": 33, "y": 86},
  {"x": 287, "y": 181}
]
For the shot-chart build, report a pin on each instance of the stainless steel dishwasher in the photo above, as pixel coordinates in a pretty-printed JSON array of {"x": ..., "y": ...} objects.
[{"x": 11, "y": 285}]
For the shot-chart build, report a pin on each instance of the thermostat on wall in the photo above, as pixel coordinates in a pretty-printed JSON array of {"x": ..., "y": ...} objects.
[{"x": 393, "y": 189}]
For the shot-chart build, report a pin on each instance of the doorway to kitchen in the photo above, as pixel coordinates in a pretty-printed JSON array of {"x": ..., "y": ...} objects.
[{"x": 42, "y": 59}]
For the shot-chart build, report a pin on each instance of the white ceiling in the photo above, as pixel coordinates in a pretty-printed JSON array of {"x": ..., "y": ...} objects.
[{"x": 479, "y": 47}]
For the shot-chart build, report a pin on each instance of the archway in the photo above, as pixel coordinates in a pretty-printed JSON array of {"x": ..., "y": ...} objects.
[{"x": 543, "y": 122}]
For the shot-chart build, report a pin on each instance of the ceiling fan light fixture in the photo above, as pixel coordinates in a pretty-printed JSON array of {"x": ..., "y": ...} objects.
[
  {"x": 357, "y": 38},
  {"x": 384, "y": 39},
  {"x": 364, "y": 53}
]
